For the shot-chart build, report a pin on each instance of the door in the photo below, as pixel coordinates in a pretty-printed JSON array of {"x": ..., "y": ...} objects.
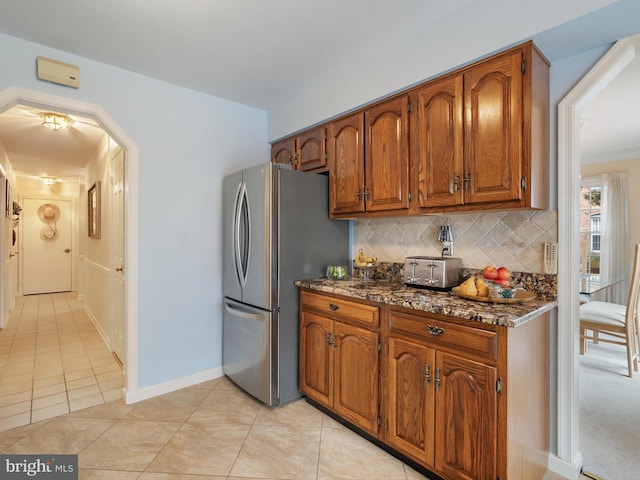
[
  {"x": 438, "y": 132},
  {"x": 46, "y": 246},
  {"x": 248, "y": 337},
  {"x": 249, "y": 233},
  {"x": 466, "y": 418},
  {"x": 283, "y": 152},
  {"x": 356, "y": 376},
  {"x": 117, "y": 262},
  {"x": 261, "y": 281},
  {"x": 346, "y": 157},
  {"x": 412, "y": 399},
  {"x": 316, "y": 358},
  {"x": 387, "y": 156},
  {"x": 311, "y": 150},
  {"x": 493, "y": 129}
]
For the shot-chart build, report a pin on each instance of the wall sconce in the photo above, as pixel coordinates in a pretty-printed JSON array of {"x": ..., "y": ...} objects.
[
  {"x": 49, "y": 180},
  {"x": 446, "y": 237},
  {"x": 55, "y": 121}
]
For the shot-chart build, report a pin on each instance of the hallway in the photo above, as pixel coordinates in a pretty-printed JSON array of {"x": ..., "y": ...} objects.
[{"x": 53, "y": 361}]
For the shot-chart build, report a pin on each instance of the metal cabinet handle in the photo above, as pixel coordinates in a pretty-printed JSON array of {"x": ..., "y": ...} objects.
[
  {"x": 333, "y": 306},
  {"x": 427, "y": 374},
  {"x": 119, "y": 269},
  {"x": 358, "y": 194},
  {"x": 437, "y": 379},
  {"x": 67, "y": 250},
  {"x": 435, "y": 331}
]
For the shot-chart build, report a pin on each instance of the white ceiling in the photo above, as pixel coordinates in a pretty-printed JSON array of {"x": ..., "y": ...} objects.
[{"x": 255, "y": 52}]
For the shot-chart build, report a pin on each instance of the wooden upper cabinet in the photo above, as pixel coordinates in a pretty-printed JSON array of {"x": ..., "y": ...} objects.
[
  {"x": 493, "y": 129},
  {"x": 387, "y": 156},
  {"x": 437, "y": 139},
  {"x": 346, "y": 157},
  {"x": 284, "y": 151},
  {"x": 311, "y": 152},
  {"x": 475, "y": 139},
  {"x": 480, "y": 137},
  {"x": 306, "y": 152}
]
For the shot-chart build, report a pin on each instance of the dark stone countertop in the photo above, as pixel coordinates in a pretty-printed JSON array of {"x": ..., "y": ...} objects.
[{"x": 396, "y": 293}]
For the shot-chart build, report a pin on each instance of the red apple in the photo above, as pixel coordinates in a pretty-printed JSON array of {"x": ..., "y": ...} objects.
[
  {"x": 499, "y": 281},
  {"x": 490, "y": 272},
  {"x": 504, "y": 273}
]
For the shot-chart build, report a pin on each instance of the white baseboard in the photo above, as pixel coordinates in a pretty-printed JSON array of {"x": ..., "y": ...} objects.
[
  {"x": 94, "y": 320},
  {"x": 178, "y": 383},
  {"x": 564, "y": 468}
]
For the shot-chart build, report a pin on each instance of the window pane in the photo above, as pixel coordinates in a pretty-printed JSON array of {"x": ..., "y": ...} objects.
[{"x": 589, "y": 221}]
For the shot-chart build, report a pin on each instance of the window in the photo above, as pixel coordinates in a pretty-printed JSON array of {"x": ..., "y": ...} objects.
[
  {"x": 595, "y": 232},
  {"x": 590, "y": 218}
]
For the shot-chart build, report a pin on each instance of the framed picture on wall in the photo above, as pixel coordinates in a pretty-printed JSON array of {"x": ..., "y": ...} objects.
[{"x": 93, "y": 210}]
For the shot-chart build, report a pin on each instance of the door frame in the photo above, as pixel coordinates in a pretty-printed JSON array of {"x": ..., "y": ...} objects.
[
  {"x": 12, "y": 96},
  {"x": 568, "y": 459}
]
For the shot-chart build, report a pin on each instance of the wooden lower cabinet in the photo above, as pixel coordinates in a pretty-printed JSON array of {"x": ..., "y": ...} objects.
[
  {"x": 466, "y": 419},
  {"x": 463, "y": 400},
  {"x": 339, "y": 362},
  {"x": 442, "y": 410},
  {"x": 411, "y": 400}
]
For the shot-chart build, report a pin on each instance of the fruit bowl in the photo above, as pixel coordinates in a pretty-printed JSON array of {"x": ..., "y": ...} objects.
[{"x": 501, "y": 289}]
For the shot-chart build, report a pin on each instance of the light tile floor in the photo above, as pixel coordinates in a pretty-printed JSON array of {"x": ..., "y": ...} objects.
[
  {"x": 212, "y": 430},
  {"x": 53, "y": 361}
]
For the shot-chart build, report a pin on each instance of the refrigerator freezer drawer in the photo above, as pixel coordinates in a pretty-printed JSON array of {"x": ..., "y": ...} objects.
[{"x": 248, "y": 344}]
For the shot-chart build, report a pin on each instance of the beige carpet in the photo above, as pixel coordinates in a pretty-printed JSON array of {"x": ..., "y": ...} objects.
[{"x": 609, "y": 414}]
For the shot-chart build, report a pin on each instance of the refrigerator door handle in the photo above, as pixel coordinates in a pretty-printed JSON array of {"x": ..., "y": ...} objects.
[
  {"x": 242, "y": 234},
  {"x": 242, "y": 311}
]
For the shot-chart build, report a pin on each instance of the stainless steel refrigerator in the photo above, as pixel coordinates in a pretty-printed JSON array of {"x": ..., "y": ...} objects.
[{"x": 276, "y": 230}]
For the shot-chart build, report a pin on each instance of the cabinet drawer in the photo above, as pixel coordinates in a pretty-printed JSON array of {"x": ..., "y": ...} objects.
[
  {"x": 341, "y": 310},
  {"x": 441, "y": 333}
]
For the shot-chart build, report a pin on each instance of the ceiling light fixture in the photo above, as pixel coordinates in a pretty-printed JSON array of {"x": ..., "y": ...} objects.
[
  {"x": 55, "y": 121},
  {"x": 49, "y": 180}
]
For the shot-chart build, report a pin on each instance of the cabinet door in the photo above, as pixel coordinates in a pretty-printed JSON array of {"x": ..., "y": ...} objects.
[
  {"x": 493, "y": 129},
  {"x": 466, "y": 418},
  {"x": 311, "y": 152},
  {"x": 411, "y": 392},
  {"x": 284, "y": 151},
  {"x": 387, "y": 156},
  {"x": 316, "y": 358},
  {"x": 438, "y": 143},
  {"x": 356, "y": 376},
  {"x": 346, "y": 158}
]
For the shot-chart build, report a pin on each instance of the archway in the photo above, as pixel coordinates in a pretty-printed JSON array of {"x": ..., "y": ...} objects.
[
  {"x": 13, "y": 96},
  {"x": 569, "y": 457}
]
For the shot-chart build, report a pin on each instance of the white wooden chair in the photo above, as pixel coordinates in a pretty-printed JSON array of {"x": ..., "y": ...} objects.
[{"x": 619, "y": 323}]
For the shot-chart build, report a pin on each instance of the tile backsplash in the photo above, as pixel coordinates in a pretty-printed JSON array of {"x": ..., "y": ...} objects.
[{"x": 511, "y": 239}]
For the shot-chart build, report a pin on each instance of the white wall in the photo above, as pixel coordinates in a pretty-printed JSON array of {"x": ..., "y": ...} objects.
[
  {"x": 187, "y": 142},
  {"x": 7, "y": 263},
  {"x": 95, "y": 252},
  {"x": 402, "y": 62}
]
